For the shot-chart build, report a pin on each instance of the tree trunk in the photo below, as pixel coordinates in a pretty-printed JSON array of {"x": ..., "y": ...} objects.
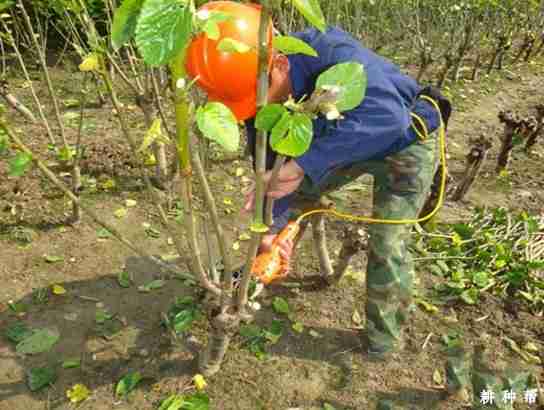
[
  {"x": 475, "y": 159},
  {"x": 506, "y": 148}
]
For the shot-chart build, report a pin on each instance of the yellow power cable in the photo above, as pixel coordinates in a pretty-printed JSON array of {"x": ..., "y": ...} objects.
[{"x": 442, "y": 142}]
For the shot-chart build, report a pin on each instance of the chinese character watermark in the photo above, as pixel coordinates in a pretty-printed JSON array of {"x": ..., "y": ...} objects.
[{"x": 487, "y": 397}]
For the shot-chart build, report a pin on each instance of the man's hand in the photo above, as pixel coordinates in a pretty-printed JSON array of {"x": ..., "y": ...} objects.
[{"x": 289, "y": 179}]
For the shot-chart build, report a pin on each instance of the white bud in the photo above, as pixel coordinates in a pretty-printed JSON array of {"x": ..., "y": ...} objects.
[{"x": 180, "y": 83}]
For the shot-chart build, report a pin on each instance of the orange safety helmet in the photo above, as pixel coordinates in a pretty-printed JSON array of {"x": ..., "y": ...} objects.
[{"x": 230, "y": 78}]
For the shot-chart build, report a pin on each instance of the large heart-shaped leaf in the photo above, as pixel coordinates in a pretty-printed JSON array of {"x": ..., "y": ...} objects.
[
  {"x": 125, "y": 20},
  {"x": 311, "y": 10},
  {"x": 163, "y": 29},
  {"x": 292, "y": 135},
  {"x": 292, "y": 45},
  {"x": 218, "y": 123},
  {"x": 351, "y": 79},
  {"x": 268, "y": 116},
  {"x": 40, "y": 341}
]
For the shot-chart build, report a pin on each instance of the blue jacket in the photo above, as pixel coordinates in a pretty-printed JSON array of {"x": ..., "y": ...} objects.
[{"x": 378, "y": 127}]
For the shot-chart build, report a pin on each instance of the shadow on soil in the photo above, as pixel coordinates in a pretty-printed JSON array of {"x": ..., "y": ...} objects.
[{"x": 133, "y": 339}]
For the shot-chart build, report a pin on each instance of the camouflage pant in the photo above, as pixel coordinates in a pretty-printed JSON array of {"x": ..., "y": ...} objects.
[{"x": 401, "y": 185}]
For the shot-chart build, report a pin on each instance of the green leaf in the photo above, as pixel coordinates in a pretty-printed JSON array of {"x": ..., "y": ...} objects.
[
  {"x": 327, "y": 406},
  {"x": 40, "y": 377},
  {"x": 163, "y": 29},
  {"x": 351, "y": 79},
  {"x": 258, "y": 227},
  {"x": 103, "y": 233},
  {"x": 71, "y": 364},
  {"x": 292, "y": 135},
  {"x": 183, "y": 320},
  {"x": 102, "y": 315},
  {"x": 18, "y": 332},
  {"x": 123, "y": 278},
  {"x": 230, "y": 45},
  {"x": 280, "y": 305},
  {"x": 292, "y": 45},
  {"x": 311, "y": 10},
  {"x": 125, "y": 20},
  {"x": 268, "y": 116},
  {"x": 40, "y": 341},
  {"x": 53, "y": 258},
  {"x": 298, "y": 327},
  {"x": 218, "y": 123},
  {"x": 470, "y": 296},
  {"x": 20, "y": 164},
  {"x": 174, "y": 402},
  {"x": 4, "y": 142},
  {"x": 127, "y": 383},
  {"x": 250, "y": 331},
  {"x": 481, "y": 279},
  {"x": 196, "y": 401},
  {"x": 273, "y": 334},
  {"x": 155, "y": 284}
]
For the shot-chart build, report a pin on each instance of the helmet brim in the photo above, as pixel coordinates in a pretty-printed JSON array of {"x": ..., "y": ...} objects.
[{"x": 242, "y": 109}]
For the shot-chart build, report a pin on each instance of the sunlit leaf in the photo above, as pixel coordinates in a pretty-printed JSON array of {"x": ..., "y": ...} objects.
[
  {"x": 40, "y": 341},
  {"x": 123, "y": 278},
  {"x": 199, "y": 382},
  {"x": 154, "y": 133},
  {"x": 58, "y": 290},
  {"x": 292, "y": 135},
  {"x": 127, "y": 383},
  {"x": 311, "y": 10},
  {"x": 125, "y": 20},
  {"x": 163, "y": 29},
  {"x": 90, "y": 63},
  {"x": 292, "y": 45},
  {"x": 218, "y": 123},
  {"x": 280, "y": 305},
  {"x": 19, "y": 164},
  {"x": 268, "y": 116},
  {"x": 53, "y": 258},
  {"x": 121, "y": 213},
  {"x": 78, "y": 393},
  {"x": 350, "y": 78},
  {"x": 258, "y": 227},
  {"x": 4, "y": 5},
  {"x": 298, "y": 327}
]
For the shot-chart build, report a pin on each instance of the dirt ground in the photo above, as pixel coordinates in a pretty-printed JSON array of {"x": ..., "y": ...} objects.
[{"x": 322, "y": 364}]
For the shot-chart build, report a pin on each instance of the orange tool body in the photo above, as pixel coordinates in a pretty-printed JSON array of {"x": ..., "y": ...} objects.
[{"x": 271, "y": 266}]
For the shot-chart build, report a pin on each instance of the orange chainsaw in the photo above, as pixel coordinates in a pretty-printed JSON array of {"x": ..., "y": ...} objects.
[{"x": 270, "y": 266}]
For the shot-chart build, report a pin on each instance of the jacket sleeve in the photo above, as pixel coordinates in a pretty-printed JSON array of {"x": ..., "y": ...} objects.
[{"x": 365, "y": 132}]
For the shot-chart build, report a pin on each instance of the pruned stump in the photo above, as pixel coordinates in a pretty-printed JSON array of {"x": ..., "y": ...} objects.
[
  {"x": 511, "y": 126},
  {"x": 475, "y": 159},
  {"x": 434, "y": 195},
  {"x": 533, "y": 136},
  {"x": 354, "y": 240},
  {"x": 223, "y": 327}
]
